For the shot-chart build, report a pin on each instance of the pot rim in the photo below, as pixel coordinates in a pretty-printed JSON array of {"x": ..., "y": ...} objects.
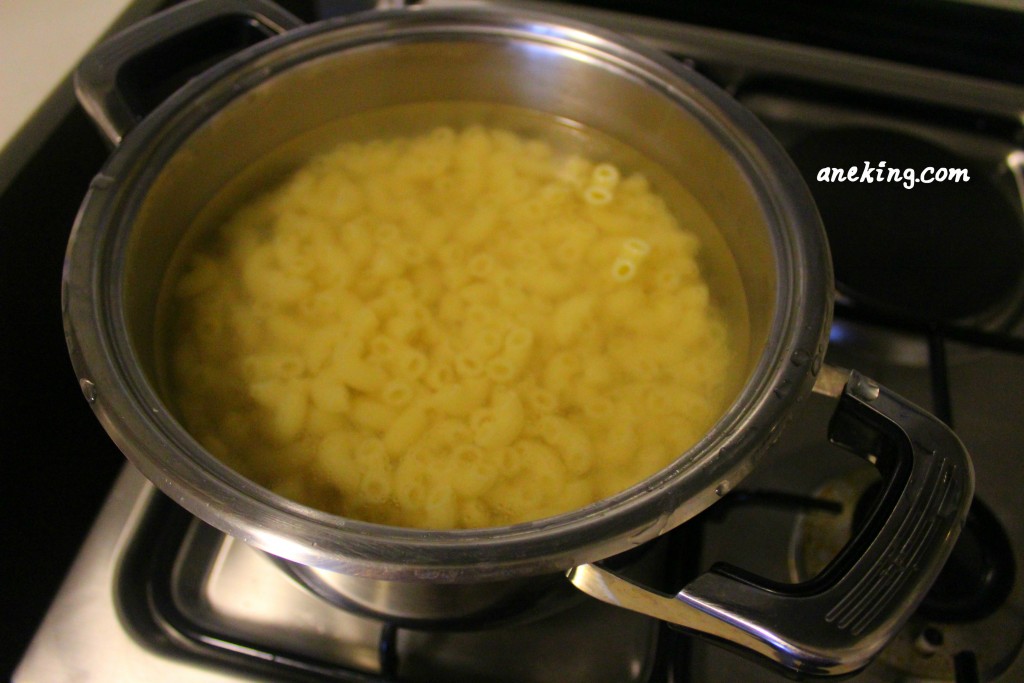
[{"x": 152, "y": 440}]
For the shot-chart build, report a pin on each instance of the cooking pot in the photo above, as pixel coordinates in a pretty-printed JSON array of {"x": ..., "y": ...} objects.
[{"x": 176, "y": 149}]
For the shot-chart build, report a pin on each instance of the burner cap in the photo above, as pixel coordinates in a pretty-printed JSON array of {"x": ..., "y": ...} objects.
[{"x": 943, "y": 251}]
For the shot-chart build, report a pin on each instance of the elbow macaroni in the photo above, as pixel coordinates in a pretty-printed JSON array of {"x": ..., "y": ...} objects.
[{"x": 457, "y": 329}]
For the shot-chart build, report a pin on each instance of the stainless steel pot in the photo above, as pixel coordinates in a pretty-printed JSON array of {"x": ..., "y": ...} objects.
[{"x": 170, "y": 162}]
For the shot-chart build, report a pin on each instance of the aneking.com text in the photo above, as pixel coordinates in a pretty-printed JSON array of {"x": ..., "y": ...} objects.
[{"x": 881, "y": 173}]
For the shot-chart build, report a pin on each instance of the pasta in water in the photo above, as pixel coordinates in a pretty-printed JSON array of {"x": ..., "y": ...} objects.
[{"x": 461, "y": 328}]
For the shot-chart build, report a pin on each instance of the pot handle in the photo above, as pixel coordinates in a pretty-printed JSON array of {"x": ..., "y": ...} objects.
[
  {"x": 838, "y": 621},
  {"x": 128, "y": 75}
]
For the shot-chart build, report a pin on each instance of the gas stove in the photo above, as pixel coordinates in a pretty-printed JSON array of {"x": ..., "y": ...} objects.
[{"x": 929, "y": 303}]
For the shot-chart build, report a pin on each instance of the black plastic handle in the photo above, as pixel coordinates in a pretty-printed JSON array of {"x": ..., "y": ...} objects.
[
  {"x": 837, "y": 622},
  {"x": 128, "y": 75}
]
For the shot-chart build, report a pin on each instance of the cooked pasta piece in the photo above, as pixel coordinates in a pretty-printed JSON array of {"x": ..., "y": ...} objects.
[
  {"x": 328, "y": 394},
  {"x": 598, "y": 195},
  {"x": 406, "y": 428},
  {"x": 606, "y": 175},
  {"x": 500, "y": 423},
  {"x": 474, "y": 470},
  {"x": 623, "y": 269}
]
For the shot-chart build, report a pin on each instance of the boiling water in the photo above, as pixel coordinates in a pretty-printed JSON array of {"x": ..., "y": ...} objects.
[{"x": 366, "y": 451}]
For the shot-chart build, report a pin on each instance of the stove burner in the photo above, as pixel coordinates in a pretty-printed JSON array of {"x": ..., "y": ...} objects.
[
  {"x": 979, "y": 575},
  {"x": 938, "y": 252},
  {"x": 967, "y": 625}
]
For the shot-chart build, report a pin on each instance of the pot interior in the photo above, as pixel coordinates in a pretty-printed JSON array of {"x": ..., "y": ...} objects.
[{"x": 392, "y": 87}]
